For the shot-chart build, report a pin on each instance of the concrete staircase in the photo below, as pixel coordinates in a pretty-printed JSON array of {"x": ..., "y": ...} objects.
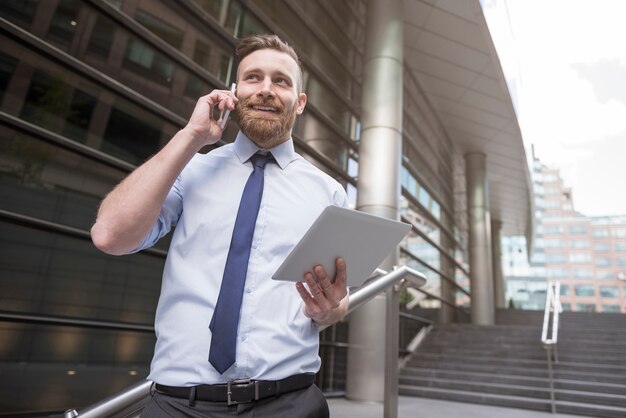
[{"x": 506, "y": 365}]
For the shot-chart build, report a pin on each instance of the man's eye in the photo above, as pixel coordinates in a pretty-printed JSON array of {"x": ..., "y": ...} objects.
[
  {"x": 282, "y": 81},
  {"x": 252, "y": 77}
]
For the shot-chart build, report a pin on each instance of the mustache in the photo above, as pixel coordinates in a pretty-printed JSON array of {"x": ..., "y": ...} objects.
[{"x": 250, "y": 102}]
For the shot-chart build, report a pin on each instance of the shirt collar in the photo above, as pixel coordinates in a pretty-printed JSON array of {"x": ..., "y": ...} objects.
[{"x": 283, "y": 153}]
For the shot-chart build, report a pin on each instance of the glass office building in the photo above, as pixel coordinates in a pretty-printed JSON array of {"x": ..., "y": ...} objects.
[{"x": 89, "y": 89}]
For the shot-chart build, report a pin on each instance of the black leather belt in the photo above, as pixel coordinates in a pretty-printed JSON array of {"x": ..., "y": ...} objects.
[{"x": 239, "y": 391}]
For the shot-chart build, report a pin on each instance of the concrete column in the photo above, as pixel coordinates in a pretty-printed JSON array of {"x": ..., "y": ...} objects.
[
  {"x": 380, "y": 160},
  {"x": 498, "y": 278},
  {"x": 479, "y": 225}
]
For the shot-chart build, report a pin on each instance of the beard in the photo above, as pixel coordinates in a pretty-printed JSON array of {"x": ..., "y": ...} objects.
[{"x": 265, "y": 130}]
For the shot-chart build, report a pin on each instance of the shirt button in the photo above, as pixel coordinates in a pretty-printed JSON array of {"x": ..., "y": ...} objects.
[
  {"x": 249, "y": 290},
  {"x": 243, "y": 338}
]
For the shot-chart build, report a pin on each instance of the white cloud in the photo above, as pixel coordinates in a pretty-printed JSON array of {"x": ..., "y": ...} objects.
[{"x": 563, "y": 109}]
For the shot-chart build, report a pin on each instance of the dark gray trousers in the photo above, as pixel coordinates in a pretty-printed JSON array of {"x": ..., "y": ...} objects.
[{"x": 304, "y": 403}]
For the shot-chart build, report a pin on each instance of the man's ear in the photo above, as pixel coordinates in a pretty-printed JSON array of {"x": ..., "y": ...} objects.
[{"x": 301, "y": 103}]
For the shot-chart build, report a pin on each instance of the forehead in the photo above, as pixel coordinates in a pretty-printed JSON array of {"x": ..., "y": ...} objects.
[{"x": 269, "y": 60}]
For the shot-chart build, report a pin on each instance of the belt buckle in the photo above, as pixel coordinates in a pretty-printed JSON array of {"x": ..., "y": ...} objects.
[{"x": 240, "y": 382}]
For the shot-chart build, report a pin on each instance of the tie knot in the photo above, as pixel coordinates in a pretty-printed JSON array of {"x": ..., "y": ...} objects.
[{"x": 259, "y": 160}]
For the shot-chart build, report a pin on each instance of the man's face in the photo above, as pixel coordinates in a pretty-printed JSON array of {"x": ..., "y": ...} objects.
[{"x": 268, "y": 97}]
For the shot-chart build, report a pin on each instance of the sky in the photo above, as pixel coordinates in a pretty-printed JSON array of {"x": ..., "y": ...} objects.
[{"x": 565, "y": 63}]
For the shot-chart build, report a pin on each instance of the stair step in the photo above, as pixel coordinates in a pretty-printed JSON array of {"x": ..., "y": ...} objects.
[
  {"x": 564, "y": 384},
  {"x": 576, "y": 408},
  {"x": 472, "y": 397},
  {"x": 518, "y": 390}
]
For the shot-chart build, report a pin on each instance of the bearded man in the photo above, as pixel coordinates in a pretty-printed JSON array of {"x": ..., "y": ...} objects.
[{"x": 231, "y": 341}]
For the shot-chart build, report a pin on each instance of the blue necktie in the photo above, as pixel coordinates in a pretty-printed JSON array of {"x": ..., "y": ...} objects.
[{"x": 226, "y": 316}]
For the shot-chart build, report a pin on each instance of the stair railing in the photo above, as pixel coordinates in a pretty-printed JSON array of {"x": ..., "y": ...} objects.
[
  {"x": 550, "y": 333},
  {"x": 130, "y": 401}
]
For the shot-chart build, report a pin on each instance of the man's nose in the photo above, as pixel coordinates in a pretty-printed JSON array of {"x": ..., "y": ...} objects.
[{"x": 267, "y": 88}]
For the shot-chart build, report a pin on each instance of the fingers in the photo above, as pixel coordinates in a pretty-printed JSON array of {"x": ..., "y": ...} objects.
[
  {"x": 223, "y": 99},
  {"x": 323, "y": 294}
]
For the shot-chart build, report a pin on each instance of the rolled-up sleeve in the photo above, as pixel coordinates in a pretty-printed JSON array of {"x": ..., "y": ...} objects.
[{"x": 170, "y": 213}]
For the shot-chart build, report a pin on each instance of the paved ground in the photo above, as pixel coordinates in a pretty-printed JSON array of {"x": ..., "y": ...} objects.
[{"x": 410, "y": 407}]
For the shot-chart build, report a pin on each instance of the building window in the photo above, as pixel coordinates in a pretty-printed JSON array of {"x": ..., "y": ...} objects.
[
  {"x": 579, "y": 243},
  {"x": 7, "y": 66},
  {"x": 611, "y": 308},
  {"x": 553, "y": 243},
  {"x": 609, "y": 291},
  {"x": 583, "y": 274},
  {"x": 556, "y": 258},
  {"x": 557, "y": 273},
  {"x": 566, "y": 306},
  {"x": 605, "y": 275},
  {"x": 620, "y": 246},
  {"x": 585, "y": 307},
  {"x": 580, "y": 258},
  {"x": 163, "y": 30},
  {"x": 621, "y": 261},
  {"x": 146, "y": 61},
  {"x": 52, "y": 103},
  {"x": 102, "y": 37},
  {"x": 553, "y": 229},
  {"x": 619, "y": 232},
  {"x": 600, "y": 233},
  {"x": 64, "y": 22},
  {"x": 564, "y": 290},
  {"x": 130, "y": 137},
  {"x": 577, "y": 229},
  {"x": 603, "y": 262},
  {"x": 21, "y": 11},
  {"x": 584, "y": 290},
  {"x": 601, "y": 247}
]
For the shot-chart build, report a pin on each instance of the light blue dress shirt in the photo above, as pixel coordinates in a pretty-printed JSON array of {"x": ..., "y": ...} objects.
[{"x": 275, "y": 338}]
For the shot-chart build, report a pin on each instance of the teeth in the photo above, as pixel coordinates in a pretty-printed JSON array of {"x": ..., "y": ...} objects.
[{"x": 271, "y": 109}]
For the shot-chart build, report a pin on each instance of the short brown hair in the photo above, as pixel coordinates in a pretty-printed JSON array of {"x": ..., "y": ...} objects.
[{"x": 254, "y": 43}]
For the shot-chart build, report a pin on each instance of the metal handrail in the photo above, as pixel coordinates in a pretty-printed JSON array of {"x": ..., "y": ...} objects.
[
  {"x": 132, "y": 399},
  {"x": 551, "y": 327}
]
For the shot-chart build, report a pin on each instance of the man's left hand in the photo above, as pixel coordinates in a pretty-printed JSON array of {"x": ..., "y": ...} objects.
[{"x": 326, "y": 301}]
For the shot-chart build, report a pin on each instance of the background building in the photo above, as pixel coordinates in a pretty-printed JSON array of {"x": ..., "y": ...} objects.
[
  {"x": 91, "y": 88},
  {"x": 587, "y": 255}
]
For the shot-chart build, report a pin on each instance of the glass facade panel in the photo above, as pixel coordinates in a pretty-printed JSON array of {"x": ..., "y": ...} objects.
[
  {"x": 101, "y": 39},
  {"x": 47, "y": 273},
  {"x": 50, "y": 183},
  {"x": 64, "y": 22},
  {"x": 7, "y": 67},
  {"x": 52, "y": 368},
  {"x": 162, "y": 29},
  {"x": 63, "y": 102},
  {"x": 20, "y": 12}
]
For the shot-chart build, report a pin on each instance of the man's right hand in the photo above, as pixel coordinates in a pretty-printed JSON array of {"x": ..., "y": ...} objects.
[
  {"x": 128, "y": 213},
  {"x": 201, "y": 124}
]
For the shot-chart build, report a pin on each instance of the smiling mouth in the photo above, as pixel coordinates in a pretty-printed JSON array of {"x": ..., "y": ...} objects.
[{"x": 264, "y": 108}]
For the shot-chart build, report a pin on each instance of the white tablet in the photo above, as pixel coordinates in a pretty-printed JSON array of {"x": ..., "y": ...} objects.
[{"x": 362, "y": 239}]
